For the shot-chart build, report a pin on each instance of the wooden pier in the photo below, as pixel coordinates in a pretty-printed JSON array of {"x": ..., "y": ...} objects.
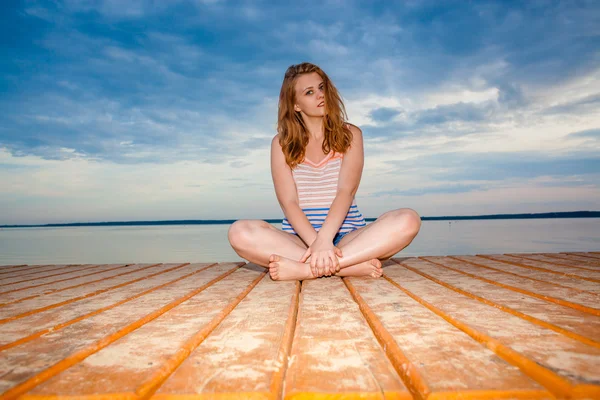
[{"x": 456, "y": 327}]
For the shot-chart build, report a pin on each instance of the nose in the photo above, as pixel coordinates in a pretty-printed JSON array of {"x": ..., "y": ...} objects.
[{"x": 321, "y": 93}]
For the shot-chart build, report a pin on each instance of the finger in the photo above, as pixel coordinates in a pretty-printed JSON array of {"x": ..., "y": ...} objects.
[
  {"x": 305, "y": 255},
  {"x": 333, "y": 257},
  {"x": 338, "y": 252},
  {"x": 319, "y": 265},
  {"x": 330, "y": 266},
  {"x": 323, "y": 265},
  {"x": 332, "y": 262}
]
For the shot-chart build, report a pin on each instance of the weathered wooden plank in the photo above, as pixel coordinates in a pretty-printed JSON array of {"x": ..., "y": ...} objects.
[
  {"x": 565, "y": 258},
  {"x": 126, "y": 367},
  {"x": 592, "y": 254},
  {"x": 573, "y": 323},
  {"x": 556, "y": 268},
  {"x": 44, "y": 276},
  {"x": 50, "y": 280},
  {"x": 436, "y": 359},
  {"x": 536, "y": 275},
  {"x": 564, "y": 366},
  {"x": 529, "y": 273},
  {"x": 476, "y": 267},
  {"x": 46, "y": 289},
  {"x": 564, "y": 262},
  {"x": 24, "y": 367},
  {"x": 333, "y": 341},
  {"x": 12, "y": 311},
  {"x": 8, "y": 266},
  {"x": 17, "y": 272},
  {"x": 247, "y": 355},
  {"x": 23, "y": 330}
]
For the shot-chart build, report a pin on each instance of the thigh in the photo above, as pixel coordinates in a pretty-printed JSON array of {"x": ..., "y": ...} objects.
[
  {"x": 350, "y": 236},
  {"x": 373, "y": 225},
  {"x": 258, "y": 230},
  {"x": 379, "y": 230},
  {"x": 356, "y": 233},
  {"x": 257, "y": 240},
  {"x": 247, "y": 232},
  {"x": 287, "y": 236}
]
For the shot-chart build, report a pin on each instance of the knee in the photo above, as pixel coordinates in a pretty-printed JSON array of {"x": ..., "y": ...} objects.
[
  {"x": 242, "y": 231},
  {"x": 414, "y": 220},
  {"x": 407, "y": 219}
]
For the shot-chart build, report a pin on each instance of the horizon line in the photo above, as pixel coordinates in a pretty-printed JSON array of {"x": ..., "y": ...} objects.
[{"x": 559, "y": 214}]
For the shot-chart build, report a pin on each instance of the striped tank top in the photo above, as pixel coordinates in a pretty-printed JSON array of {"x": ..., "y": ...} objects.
[{"x": 317, "y": 187}]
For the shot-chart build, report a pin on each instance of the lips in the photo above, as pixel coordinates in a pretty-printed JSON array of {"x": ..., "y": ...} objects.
[{"x": 321, "y": 104}]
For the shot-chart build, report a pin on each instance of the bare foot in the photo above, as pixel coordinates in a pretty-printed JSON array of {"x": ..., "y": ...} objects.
[
  {"x": 368, "y": 268},
  {"x": 284, "y": 269}
]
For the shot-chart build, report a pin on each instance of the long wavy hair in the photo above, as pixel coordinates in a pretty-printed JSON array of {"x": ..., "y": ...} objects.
[{"x": 293, "y": 134}]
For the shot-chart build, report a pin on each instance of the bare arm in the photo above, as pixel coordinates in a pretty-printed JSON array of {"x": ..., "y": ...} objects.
[
  {"x": 350, "y": 174},
  {"x": 287, "y": 195}
]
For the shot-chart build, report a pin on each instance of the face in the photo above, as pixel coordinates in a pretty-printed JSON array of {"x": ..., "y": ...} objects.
[{"x": 310, "y": 95}]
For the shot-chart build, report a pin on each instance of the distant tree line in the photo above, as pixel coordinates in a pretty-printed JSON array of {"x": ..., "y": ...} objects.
[{"x": 569, "y": 214}]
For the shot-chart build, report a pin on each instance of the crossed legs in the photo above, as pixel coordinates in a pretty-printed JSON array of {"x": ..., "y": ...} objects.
[{"x": 261, "y": 243}]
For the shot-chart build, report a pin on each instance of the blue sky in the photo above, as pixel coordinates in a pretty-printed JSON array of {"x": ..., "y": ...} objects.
[{"x": 142, "y": 110}]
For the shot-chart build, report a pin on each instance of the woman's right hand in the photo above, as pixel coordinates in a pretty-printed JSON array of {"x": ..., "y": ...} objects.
[{"x": 323, "y": 258}]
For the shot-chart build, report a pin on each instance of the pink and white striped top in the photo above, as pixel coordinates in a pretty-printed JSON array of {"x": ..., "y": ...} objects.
[{"x": 317, "y": 187}]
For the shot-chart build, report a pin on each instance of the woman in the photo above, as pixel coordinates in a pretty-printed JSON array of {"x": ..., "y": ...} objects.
[{"x": 316, "y": 164}]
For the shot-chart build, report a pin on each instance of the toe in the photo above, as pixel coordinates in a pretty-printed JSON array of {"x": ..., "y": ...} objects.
[{"x": 274, "y": 257}]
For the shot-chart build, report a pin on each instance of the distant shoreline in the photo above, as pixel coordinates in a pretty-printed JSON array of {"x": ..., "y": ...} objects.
[{"x": 569, "y": 214}]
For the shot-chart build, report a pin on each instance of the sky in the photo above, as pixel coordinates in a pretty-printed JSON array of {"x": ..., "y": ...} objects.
[{"x": 163, "y": 110}]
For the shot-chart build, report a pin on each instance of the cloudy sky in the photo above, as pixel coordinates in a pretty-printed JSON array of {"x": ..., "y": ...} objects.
[{"x": 142, "y": 110}]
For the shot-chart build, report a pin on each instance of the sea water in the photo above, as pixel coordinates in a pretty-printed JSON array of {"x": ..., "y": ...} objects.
[{"x": 208, "y": 243}]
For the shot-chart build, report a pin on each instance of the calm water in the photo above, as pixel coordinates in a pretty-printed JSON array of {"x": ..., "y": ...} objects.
[{"x": 206, "y": 243}]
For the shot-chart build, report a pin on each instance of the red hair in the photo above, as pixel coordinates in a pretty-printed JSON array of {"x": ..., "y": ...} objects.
[{"x": 293, "y": 135}]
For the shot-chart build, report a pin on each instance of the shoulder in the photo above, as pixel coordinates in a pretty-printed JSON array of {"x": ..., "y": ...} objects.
[
  {"x": 275, "y": 142},
  {"x": 276, "y": 149},
  {"x": 355, "y": 130}
]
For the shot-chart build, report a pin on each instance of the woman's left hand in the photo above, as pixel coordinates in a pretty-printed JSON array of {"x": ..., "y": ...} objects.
[{"x": 323, "y": 258}]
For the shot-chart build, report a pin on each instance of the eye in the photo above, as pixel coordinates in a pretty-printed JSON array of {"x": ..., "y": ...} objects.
[{"x": 309, "y": 92}]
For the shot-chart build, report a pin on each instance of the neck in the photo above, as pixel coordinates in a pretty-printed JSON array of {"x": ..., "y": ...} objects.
[{"x": 314, "y": 125}]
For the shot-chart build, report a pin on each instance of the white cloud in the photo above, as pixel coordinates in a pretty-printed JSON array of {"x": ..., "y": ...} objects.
[
  {"x": 453, "y": 94},
  {"x": 568, "y": 91},
  {"x": 78, "y": 189},
  {"x": 159, "y": 126}
]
